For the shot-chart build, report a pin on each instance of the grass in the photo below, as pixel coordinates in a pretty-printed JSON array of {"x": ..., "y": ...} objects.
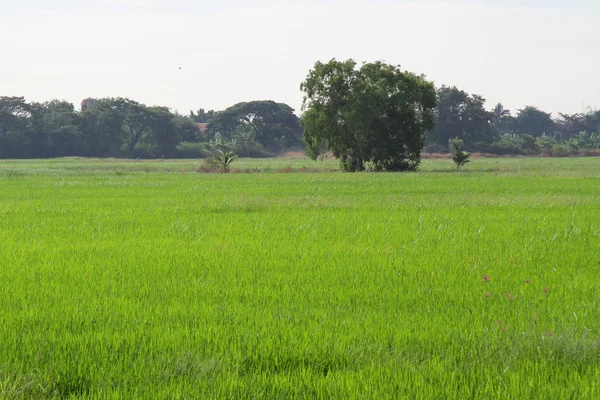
[{"x": 148, "y": 280}]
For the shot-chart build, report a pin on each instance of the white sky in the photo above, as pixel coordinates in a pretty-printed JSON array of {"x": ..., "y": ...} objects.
[{"x": 542, "y": 53}]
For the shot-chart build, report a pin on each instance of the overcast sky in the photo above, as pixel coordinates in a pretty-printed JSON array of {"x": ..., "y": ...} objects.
[{"x": 543, "y": 53}]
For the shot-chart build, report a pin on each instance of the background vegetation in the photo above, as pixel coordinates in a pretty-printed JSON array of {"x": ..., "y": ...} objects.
[{"x": 116, "y": 127}]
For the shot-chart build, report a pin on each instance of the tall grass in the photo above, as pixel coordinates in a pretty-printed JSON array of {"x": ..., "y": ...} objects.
[{"x": 116, "y": 283}]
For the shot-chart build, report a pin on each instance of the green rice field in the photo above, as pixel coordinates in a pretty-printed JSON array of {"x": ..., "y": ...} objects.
[{"x": 286, "y": 279}]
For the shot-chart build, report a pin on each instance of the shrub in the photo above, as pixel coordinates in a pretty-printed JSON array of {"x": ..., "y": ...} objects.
[
  {"x": 559, "y": 150},
  {"x": 223, "y": 160},
  {"x": 545, "y": 142},
  {"x": 460, "y": 157}
]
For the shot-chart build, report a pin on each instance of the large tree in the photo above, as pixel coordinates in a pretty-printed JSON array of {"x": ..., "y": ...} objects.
[
  {"x": 273, "y": 125},
  {"x": 102, "y": 126},
  {"x": 187, "y": 129},
  {"x": 502, "y": 120},
  {"x": 373, "y": 113},
  {"x": 55, "y": 130},
  {"x": 569, "y": 125},
  {"x": 15, "y": 116},
  {"x": 461, "y": 115},
  {"x": 137, "y": 124},
  {"x": 164, "y": 135},
  {"x": 532, "y": 121},
  {"x": 592, "y": 119}
]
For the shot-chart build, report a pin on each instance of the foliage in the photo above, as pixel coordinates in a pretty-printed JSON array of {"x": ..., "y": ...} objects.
[
  {"x": 224, "y": 160},
  {"x": 569, "y": 125},
  {"x": 585, "y": 140},
  {"x": 460, "y": 115},
  {"x": 202, "y": 116},
  {"x": 376, "y": 113},
  {"x": 102, "y": 125},
  {"x": 186, "y": 129},
  {"x": 460, "y": 157},
  {"x": 14, "y": 116},
  {"x": 121, "y": 127},
  {"x": 502, "y": 120},
  {"x": 272, "y": 125},
  {"x": 532, "y": 121},
  {"x": 529, "y": 145},
  {"x": 545, "y": 142}
]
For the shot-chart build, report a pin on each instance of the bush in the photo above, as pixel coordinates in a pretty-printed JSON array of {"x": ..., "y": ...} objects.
[
  {"x": 545, "y": 142},
  {"x": 585, "y": 140},
  {"x": 559, "y": 150},
  {"x": 529, "y": 145}
]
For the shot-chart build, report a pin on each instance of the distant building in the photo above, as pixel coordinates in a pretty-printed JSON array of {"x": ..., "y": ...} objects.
[
  {"x": 85, "y": 103},
  {"x": 203, "y": 126}
]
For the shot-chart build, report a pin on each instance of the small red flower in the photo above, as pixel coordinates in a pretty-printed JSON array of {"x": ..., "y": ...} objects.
[
  {"x": 527, "y": 281},
  {"x": 486, "y": 278}
]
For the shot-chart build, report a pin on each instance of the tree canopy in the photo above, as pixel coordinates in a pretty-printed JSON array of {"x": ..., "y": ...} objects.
[
  {"x": 533, "y": 121},
  {"x": 460, "y": 115},
  {"x": 374, "y": 113},
  {"x": 121, "y": 127},
  {"x": 273, "y": 125}
]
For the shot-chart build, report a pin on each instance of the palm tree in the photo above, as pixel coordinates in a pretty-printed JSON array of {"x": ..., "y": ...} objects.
[
  {"x": 499, "y": 116},
  {"x": 460, "y": 157},
  {"x": 224, "y": 159}
]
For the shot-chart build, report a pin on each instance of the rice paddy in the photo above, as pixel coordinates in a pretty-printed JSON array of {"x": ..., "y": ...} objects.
[{"x": 150, "y": 280}]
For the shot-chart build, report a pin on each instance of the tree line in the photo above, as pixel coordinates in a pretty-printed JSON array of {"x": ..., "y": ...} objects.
[
  {"x": 374, "y": 113},
  {"x": 120, "y": 127},
  {"x": 463, "y": 116}
]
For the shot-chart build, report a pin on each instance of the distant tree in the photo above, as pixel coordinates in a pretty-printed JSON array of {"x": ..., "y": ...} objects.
[
  {"x": 56, "y": 130},
  {"x": 373, "y": 113},
  {"x": 202, "y": 116},
  {"x": 164, "y": 135},
  {"x": 532, "y": 121},
  {"x": 187, "y": 129},
  {"x": 502, "y": 120},
  {"x": 15, "y": 116},
  {"x": 119, "y": 124},
  {"x": 102, "y": 124},
  {"x": 275, "y": 126},
  {"x": 592, "y": 120},
  {"x": 137, "y": 124},
  {"x": 569, "y": 125},
  {"x": 461, "y": 115}
]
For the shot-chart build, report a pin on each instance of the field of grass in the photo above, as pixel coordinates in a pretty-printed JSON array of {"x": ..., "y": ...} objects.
[{"x": 148, "y": 280}]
